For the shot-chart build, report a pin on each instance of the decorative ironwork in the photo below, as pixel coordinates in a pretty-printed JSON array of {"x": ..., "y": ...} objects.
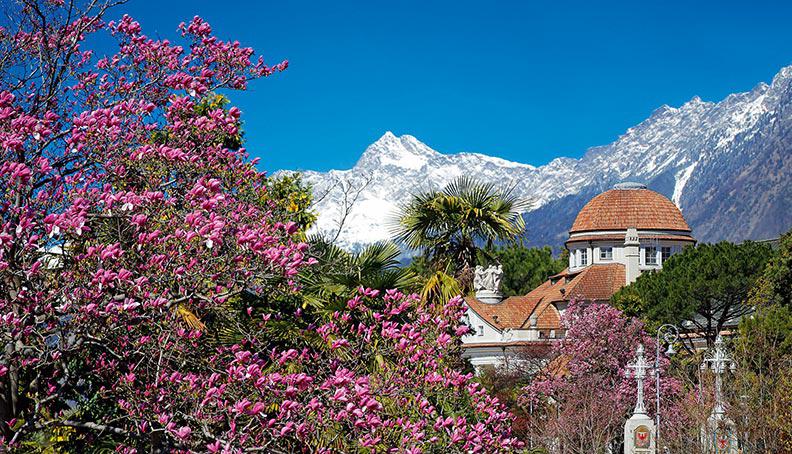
[
  {"x": 637, "y": 369},
  {"x": 719, "y": 362}
]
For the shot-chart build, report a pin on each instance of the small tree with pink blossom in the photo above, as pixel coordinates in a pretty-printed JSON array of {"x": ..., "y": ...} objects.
[{"x": 581, "y": 399}]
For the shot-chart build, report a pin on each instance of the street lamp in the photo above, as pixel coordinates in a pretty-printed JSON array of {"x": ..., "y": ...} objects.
[
  {"x": 670, "y": 334},
  {"x": 718, "y": 362}
]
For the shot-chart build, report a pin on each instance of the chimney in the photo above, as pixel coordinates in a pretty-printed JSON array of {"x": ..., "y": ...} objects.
[{"x": 632, "y": 255}]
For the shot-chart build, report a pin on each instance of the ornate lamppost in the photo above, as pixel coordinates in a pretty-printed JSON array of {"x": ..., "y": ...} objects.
[
  {"x": 719, "y": 362},
  {"x": 639, "y": 429},
  {"x": 670, "y": 334}
]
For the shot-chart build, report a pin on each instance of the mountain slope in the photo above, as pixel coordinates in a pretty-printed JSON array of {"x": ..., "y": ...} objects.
[{"x": 728, "y": 165}]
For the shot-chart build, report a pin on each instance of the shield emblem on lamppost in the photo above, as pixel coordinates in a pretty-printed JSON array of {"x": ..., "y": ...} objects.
[
  {"x": 722, "y": 442},
  {"x": 642, "y": 437}
]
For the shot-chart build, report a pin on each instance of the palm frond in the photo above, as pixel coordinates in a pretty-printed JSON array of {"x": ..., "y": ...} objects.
[
  {"x": 190, "y": 318},
  {"x": 452, "y": 222},
  {"x": 440, "y": 287}
]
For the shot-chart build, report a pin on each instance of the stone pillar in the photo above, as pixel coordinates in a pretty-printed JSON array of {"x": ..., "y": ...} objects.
[
  {"x": 632, "y": 256},
  {"x": 639, "y": 430},
  {"x": 639, "y": 435},
  {"x": 718, "y": 435}
]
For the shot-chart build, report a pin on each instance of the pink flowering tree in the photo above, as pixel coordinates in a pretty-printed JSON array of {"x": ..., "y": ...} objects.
[
  {"x": 582, "y": 398},
  {"x": 149, "y": 273}
]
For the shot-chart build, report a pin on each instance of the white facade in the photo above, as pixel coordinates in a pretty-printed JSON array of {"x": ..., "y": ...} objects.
[{"x": 655, "y": 246}]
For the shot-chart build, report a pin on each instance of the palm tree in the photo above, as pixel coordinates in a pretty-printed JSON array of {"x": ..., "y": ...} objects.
[
  {"x": 326, "y": 288},
  {"x": 450, "y": 225},
  {"x": 339, "y": 273}
]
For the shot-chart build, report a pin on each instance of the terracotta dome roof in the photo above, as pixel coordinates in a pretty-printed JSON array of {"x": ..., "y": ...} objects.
[{"x": 629, "y": 205}]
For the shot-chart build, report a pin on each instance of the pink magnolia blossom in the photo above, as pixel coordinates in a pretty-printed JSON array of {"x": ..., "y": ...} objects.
[{"x": 132, "y": 234}]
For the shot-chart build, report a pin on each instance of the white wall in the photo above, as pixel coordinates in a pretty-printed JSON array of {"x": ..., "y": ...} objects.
[{"x": 481, "y": 330}]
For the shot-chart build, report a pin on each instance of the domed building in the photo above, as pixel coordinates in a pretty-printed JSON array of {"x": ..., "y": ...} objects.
[{"x": 615, "y": 237}]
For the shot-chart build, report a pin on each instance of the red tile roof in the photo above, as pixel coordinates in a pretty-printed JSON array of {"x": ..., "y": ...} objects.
[
  {"x": 596, "y": 282},
  {"x": 593, "y": 283},
  {"x": 620, "y": 209},
  {"x": 509, "y": 313}
]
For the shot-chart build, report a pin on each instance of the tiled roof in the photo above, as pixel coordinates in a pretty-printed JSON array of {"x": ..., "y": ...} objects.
[
  {"x": 596, "y": 282},
  {"x": 618, "y": 237},
  {"x": 509, "y": 313},
  {"x": 593, "y": 283},
  {"x": 620, "y": 209}
]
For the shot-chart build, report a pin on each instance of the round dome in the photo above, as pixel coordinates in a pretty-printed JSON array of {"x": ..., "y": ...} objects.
[{"x": 629, "y": 205}]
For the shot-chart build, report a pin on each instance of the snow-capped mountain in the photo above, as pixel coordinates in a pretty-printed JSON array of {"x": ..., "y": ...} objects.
[{"x": 728, "y": 165}]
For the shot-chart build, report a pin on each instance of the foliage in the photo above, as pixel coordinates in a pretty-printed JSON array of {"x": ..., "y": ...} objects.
[
  {"x": 707, "y": 285},
  {"x": 760, "y": 402},
  {"x": 292, "y": 199},
  {"x": 149, "y": 274},
  {"x": 775, "y": 284},
  {"x": 581, "y": 398},
  {"x": 450, "y": 225},
  {"x": 338, "y": 274},
  {"x": 524, "y": 268},
  {"x": 435, "y": 284}
]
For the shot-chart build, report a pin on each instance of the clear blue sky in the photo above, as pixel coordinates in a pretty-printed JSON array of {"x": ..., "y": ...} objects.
[{"x": 526, "y": 81}]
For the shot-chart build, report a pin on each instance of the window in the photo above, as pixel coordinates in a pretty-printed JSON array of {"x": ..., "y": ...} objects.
[
  {"x": 665, "y": 253},
  {"x": 651, "y": 255},
  {"x": 606, "y": 253},
  {"x": 480, "y": 330},
  {"x": 583, "y": 257}
]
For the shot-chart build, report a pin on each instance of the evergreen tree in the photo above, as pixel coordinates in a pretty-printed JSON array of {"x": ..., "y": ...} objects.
[
  {"x": 775, "y": 284},
  {"x": 707, "y": 285}
]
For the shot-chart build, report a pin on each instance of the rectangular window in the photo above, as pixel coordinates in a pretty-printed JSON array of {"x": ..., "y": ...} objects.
[
  {"x": 480, "y": 330},
  {"x": 583, "y": 257},
  {"x": 651, "y": 255},
  {"x": 606, "y": 253},
  {"x": 665, "y": 253}
]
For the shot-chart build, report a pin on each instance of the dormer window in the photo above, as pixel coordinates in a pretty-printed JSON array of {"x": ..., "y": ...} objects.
[
  {"x": 583, "y": 257},
  {"x": 606, "y": 253},
  {"x": 651, "y": 255}
]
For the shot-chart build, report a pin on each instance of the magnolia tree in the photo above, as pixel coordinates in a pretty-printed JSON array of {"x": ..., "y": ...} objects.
[
  {"x": 148, "y": 271},
  {"x": 580, "y": 402}
]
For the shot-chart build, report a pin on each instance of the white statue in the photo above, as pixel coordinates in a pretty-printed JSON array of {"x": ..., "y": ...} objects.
[
  {"x": 489, "y": 279},
  {"x": 479, "y": 279},
  {"x": 497, "y": 277}
]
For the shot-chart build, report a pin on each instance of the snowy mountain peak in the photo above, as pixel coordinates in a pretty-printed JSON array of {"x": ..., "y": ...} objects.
[
  {"x": 783, "y": 76},
  {"x": 402, "y": 152},
  {"x": 727, "y": 164},
  {"x": 696, "y": 103}
]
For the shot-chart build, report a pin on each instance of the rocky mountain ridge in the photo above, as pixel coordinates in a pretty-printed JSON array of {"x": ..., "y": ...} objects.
[{"x": 727, "y": 165}]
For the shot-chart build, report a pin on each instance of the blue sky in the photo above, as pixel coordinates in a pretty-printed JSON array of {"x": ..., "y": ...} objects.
[{"x": 525, "y": 81}]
